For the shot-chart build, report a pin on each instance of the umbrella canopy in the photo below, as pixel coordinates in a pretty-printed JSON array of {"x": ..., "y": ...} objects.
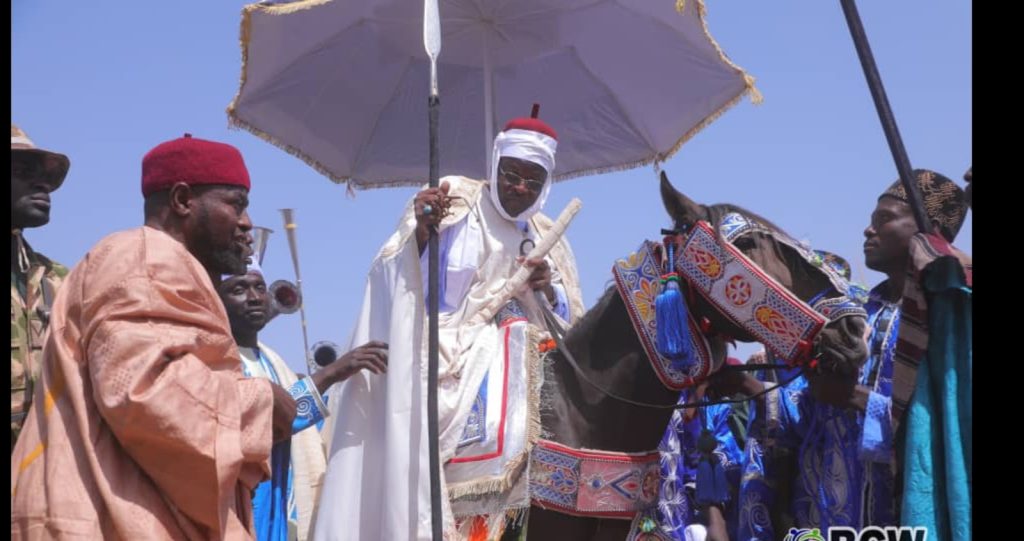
[{"x": 343, "y": 84}]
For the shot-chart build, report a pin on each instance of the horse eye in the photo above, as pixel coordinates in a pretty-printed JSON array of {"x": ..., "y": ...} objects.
[{"x": 744, "y": 243}]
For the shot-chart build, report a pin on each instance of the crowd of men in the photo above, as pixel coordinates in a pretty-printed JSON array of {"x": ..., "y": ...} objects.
[{"x": 144, "y": 405}]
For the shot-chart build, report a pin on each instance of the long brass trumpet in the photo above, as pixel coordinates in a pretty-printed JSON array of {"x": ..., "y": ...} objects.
[
  {"x": 289, "y": 227},
  {"x": 285, "y": 297}
]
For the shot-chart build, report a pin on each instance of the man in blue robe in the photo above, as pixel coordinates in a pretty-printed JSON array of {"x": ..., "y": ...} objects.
[
  {"x": 843, "y": 431},
  {"x": 284, "y": 505}
]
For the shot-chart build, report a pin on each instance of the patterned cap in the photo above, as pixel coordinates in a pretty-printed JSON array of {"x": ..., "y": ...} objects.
[
  {"x": 56, "y": 165},
  {"x": 944, "y": 201}
]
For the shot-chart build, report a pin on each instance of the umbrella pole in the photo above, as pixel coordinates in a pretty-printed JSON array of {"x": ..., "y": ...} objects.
[
  {"x": 432, "y": 341},
  {"x": 892, "y": 133},
  {"x": 488, "y": 110}
]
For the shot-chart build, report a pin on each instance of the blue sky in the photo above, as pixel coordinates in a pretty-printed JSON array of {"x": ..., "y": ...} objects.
[{"x": 104, "y": 82}]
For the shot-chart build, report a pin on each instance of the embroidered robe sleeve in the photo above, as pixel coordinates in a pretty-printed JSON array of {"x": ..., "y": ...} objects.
[
  {"x": 311, "y": 408},
  {"x": 783, "y": 414},
  {"x": 876, "y": 436},
  {"x": 775, "y": 428}
]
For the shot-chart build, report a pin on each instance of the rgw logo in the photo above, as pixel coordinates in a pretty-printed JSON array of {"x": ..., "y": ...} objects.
[{"x": 871, "y": 533}]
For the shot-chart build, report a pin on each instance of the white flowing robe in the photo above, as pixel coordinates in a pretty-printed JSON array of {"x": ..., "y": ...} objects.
[{"x": 378, "y": 478}]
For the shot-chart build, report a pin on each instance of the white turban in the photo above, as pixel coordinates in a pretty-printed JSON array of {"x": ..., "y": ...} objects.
[
  {"x": 254, "y": 266},
  {"x": 528, "y": 145}
]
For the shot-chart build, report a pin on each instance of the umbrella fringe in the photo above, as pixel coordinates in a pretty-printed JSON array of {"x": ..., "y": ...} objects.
[
  {"x": 234, "y": 121},
  {"x": 290, "y": 7},
  {"x": 749, "y": 89},
  {"x": 755, "y": 95},
  {"x": 660, "y": 158},
  {"x": 244, "y": 31}
]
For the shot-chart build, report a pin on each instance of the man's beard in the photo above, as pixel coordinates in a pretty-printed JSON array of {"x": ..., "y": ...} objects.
[{"x": 225, "y": 260}]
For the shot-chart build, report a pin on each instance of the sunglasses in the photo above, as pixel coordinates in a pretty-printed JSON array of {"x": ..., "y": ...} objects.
[{"x": 512, "y": 178}]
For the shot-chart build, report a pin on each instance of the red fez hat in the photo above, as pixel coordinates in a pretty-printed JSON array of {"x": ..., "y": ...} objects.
[
  {"x": 532, "y": 124},
  {"x": 194, "y": 162}
]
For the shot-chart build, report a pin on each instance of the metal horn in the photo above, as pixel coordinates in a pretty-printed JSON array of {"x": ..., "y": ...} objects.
[
  {"x": 285, "y": 298},
  {"x": 325, "y": 352},
  {"x": 289, "y": 227},
  {"x": 260, "y": 237}
]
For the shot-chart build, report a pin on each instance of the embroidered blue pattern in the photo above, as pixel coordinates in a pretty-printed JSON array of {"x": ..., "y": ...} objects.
[
  {"x": 307, "y": 408},
  {"x": 512, "y": 310},
  {"x": 637, "y": 281},
  {"x": 554, "y": 477},
  {"x": 844, "y": 476},
  {"x": 476, "y": 425}
]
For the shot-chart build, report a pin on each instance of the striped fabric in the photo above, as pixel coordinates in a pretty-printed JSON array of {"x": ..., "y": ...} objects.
[{"x": 912, "y": 343}]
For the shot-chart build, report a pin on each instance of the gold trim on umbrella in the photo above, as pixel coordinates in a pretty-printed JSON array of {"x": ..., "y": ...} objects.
[{"x": 234, "y": 121}]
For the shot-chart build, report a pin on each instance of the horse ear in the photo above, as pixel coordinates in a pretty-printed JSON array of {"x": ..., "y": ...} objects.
[{"x": 682, "y": 209}]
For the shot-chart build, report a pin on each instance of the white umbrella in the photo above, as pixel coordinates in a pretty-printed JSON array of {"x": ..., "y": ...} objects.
[{"x": 341, "y": 84}]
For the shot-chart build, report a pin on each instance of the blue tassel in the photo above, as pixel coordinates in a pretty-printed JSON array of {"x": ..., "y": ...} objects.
[
  {"x": 721, "y": 493},
  {"x": 673, "y": 324},
  {"x": 712, "y": 486},
  {"x": 705, "y": 483}
]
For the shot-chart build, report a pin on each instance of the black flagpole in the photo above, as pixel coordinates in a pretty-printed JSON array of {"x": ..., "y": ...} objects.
[
  {"x": 892, "y": 133},
  {"x": 432, "y": 343},
  {"x": 432, "y": 44}
]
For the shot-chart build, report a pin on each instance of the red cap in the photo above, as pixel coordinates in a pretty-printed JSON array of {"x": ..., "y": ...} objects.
[
  {"x": 532, "y": 124},
  {"x": 194, "y": 162}
]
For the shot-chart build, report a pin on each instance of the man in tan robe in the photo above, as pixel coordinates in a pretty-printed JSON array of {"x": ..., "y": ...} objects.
[{"x": 144, "y": 426}]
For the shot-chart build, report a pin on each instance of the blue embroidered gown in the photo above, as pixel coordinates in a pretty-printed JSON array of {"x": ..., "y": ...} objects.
[
  {"x": 274, "y": 500},
  {"x": 844, "y": 458}
]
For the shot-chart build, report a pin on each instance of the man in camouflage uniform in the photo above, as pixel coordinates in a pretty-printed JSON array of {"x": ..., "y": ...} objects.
[{"x": 34, "y": 278}]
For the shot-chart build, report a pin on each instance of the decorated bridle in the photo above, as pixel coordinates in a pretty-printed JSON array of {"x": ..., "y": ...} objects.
[{"x": 698, "y": 262}]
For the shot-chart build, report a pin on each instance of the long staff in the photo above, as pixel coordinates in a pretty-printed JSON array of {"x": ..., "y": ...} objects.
[{"x": 432, "y": 43}]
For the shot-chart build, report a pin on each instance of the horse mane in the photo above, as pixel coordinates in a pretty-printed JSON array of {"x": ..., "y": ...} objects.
[
  {"x": 587, "y": 323},
  {"x": 719, "y": 211},
  {"x": 766, "y": 246}
]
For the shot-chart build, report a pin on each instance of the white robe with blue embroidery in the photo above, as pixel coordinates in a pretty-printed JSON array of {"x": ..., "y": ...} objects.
[{"x": 377, "y": 484}]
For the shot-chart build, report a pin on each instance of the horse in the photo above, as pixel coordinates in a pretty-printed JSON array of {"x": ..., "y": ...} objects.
[{"x": 578, "y": 412}]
